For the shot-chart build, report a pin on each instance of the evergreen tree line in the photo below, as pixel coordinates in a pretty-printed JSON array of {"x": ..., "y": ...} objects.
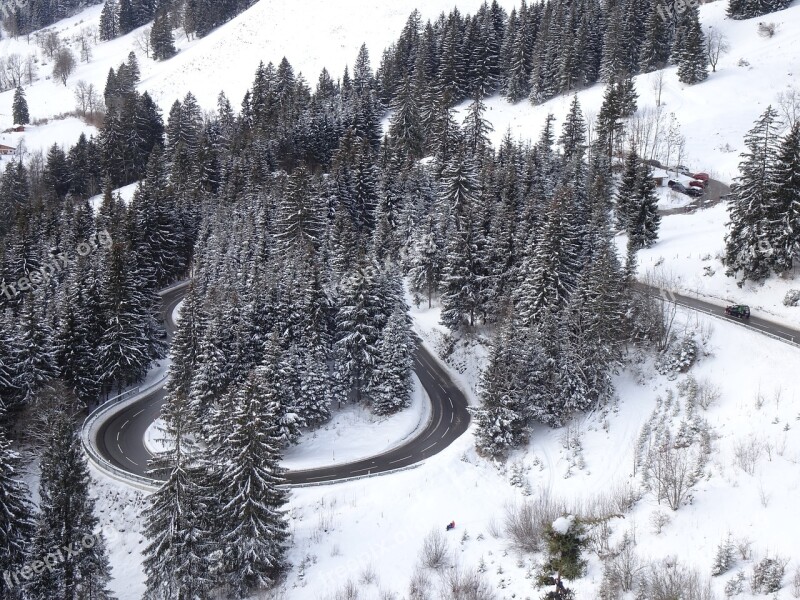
[
  {"x": 764, "y": 227},
  {"x": 747, "y": 9},
  {"x": 196, "y": 17},
  {"x": 536, "y": 52},
  {"x": 94, "y": 324},
  {"x": 21, "y": 17}
]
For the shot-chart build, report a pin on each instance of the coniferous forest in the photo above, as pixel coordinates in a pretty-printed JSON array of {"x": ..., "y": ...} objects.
[{"x": 301, "y": 224}]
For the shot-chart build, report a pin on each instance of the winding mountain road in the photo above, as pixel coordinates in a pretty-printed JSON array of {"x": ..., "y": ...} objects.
[{"x": 118, "y": 438}]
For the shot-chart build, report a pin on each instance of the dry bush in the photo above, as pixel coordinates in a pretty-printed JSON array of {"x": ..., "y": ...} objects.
[
  {"x": 368, "y": 575},
  {"x": 434, "y": 550},
  {"x": 623, "y": 571},
  {"x": 419, "y": 588},
  {"x": 465, "y": 584},
  {"x": 658, "y": 520},
  {"x": 525, "y": 522},
  {"x": 347, "y": 592},
  {"x": 668, "y": 580},
  {"x": 747, "y": 453}
]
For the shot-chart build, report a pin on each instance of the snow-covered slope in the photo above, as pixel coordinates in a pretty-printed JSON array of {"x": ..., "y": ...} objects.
[{"x": 370, "y": 532}]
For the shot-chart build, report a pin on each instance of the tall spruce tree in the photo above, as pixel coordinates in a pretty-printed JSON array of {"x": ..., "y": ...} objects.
[
  {"x": 748, "y": 247},
  {"x": 16, "y": 521},
  {"x": 784, "y": 213},
  {"x": 177, "y": 559},
  {"x": 691, "y": 58},
  {"x": 250, "y": 524},
  {"x": 66, "y": 521},
  {"x": 19, "y": 108},
  {"x": 161, "y": 38}
]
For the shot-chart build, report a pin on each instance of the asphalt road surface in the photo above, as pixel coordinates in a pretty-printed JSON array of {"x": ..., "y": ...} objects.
[{"x": 120, "y": 440}]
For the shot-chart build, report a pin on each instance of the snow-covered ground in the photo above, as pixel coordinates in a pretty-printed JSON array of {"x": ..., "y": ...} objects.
[
  {"x": 40, "y": 138},
  {"x": 126, "y": 193}
]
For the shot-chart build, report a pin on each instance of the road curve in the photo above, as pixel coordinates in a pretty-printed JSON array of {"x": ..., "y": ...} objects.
[
  {"x": 764, "y": 326},
  {"x": 119, "y": 439}
]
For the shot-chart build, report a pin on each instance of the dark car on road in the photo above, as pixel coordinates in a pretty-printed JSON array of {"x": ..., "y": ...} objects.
[
  {"x": 694, "y": 192},
  {"x": 676, "y": 186},
  {"x": 740, "y": 311}
]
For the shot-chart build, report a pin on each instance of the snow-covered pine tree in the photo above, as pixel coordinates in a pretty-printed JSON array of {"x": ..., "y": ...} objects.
[
  {"x": 426, "y": 259},
  {"x": 177, "y": 558},
  {"x": 406, "y": 122},
  {"x": 161, "y": 39},
  {"x": 551, "y": 270},
  {"x": 573, "y": 133},
  {"x": 748, "y": 250},
  {"x": 357, "y": 330},
  {"x": 502, "y": 418},
  {"x": 627, "y": 194},
  {"x": 66, "y": 520},
  {"x": 654, "y": 54},
  {"x": 16, "y": 518},
  {"x": 644, "y": 220},
  {"x": 109, "y": 24},
  {"x": 391, "y": 384},
  {"x": 19, "y": 108},
  {"x": 250, "y": 524},
  {"x": 784, "y": 212},
  {"x": 476, "y": 129},
  {"x": 34, "y": 356},
  {"x": 692, "y": 59}
]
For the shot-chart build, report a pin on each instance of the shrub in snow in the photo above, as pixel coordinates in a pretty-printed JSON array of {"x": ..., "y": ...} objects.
[
  {"x": 659, "y": 519},
  {"x": 767, "y": 575},
  {"x": 467, "y": 584},
  {"x": 725, "y": 557},
  {"x": 434, "y": 550},
  {"x": 622, "y": 571},
  {"x": 792, "y": 298},
  {"x": 419, "y": 588},
  {"x": 766, "y": 29},
  {"x": 668, "y": 580},
  {"x": 735, "y": 586},
  {"x": 679, "y": 357},
  {"x": 525, "y": 523}
]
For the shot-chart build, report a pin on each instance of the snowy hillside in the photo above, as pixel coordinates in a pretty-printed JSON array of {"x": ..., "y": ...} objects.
[{"x": 727, "y": 402}]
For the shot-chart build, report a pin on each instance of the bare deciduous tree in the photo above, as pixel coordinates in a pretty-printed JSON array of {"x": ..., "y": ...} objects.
[
  {"x": 657, "y": 85},
  {"x": 30, "y": 69},
  {"x": 50, "y": 44},
  {"x": 64, "y": 65},
  {"x": 143, "y": 41},
  {"x": 789, "y": 104},
  {"x": 716, "y": 46},
  {"x": 85, "y": 43}
]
